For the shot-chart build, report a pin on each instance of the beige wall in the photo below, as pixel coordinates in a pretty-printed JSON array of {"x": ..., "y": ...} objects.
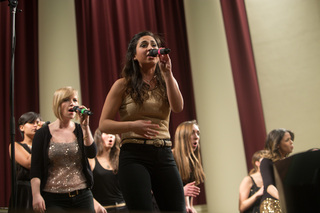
[
  {"x": 286, "y": 43},
  {"x": 287, "y": 65},
  {"x": 58, "y": 57},
  {"x": 216, "y": 107}
]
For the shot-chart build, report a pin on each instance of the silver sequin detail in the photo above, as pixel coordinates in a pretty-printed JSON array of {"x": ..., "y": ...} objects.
[{"x": 65, "y": 171}]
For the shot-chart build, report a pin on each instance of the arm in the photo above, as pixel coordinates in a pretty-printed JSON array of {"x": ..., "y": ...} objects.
[
  {"x": 190, "y": 191},
  {"x": 87, "y": 136},
  {"x": 37, "y": 200},
  {"x": 22, "y": 157},
  {"x": 84, "y": 122},
  {"x": 245, "y": 202},
  {"x": 189, "y": 205},
  {"x": 193, "y": 210},
  {"x": 266, "y": 168},
  {"x": 173, "y": 91},
  {"x": 111, "y": 107},
  {"x": 273, "y": 191},
  {"x": 98, "y": 208}
]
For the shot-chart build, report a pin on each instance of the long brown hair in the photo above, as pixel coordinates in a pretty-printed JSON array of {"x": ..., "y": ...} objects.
[
  {"x": 135, "y": 87},
  {"x": 187, "y": 160},
  {"x": 115, "y": 150}
]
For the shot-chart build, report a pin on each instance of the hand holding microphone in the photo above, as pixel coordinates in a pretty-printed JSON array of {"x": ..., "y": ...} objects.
[
  {"x": 82, "y": 111},
  {"x": 160, "y": 51}
]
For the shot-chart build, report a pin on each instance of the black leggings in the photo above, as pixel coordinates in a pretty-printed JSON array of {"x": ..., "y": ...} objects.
[{"x": 144, "y": 169}]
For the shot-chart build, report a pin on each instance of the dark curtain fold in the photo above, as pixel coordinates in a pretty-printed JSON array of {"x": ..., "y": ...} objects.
[
  {"x": 26, "y": 89},
  {"x": 104, "y": 29},
  {"x": 244, "y": 76}
]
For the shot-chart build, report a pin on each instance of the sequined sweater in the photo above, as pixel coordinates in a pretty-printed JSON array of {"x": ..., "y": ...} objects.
[{"x": 40, "y": 160}]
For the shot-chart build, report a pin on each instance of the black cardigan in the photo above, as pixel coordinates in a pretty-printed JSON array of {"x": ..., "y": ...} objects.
[{"x": 40, "y": 159}]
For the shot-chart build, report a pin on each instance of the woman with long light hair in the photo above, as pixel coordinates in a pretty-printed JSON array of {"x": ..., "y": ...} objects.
[
  {"x": 187, "y": 155},
  {"x": 106, "y": 189}
]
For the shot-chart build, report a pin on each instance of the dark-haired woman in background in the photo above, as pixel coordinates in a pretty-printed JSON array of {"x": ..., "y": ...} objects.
[
  {"x": 28, "y": 124},
  {"x": 279, "y": 144}
]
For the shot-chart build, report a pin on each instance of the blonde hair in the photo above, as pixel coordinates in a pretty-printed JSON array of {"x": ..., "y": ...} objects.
[
  {"x": 256, "y": 157},
  {"x": 115, "y": 150},
  {"x": 59, "y": 96},
  {"x": 188, "y": 161}
]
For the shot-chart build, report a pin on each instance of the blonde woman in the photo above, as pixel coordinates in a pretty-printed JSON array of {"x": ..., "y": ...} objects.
[
  {"x": 251, "y": 187},
  {"x": 279, "y": 144},
  {"x": 187, "y": 155},
  {"x": 61, "y": 177}
]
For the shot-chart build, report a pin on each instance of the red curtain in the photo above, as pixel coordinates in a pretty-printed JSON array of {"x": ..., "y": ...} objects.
[
  {"x": 26, "y": 89},
  {"x": 104, "y": 29},
  {"x": 244, "y": 76}
]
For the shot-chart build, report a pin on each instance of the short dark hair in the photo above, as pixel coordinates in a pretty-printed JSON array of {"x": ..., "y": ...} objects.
[{"x": 28, "y": 117}]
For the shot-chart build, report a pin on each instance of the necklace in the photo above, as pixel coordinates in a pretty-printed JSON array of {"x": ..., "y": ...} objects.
[{"x": 149, "y": 81}]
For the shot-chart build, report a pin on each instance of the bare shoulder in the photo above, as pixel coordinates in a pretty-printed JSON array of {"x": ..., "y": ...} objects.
[
  {"x": 118, "y": 87},
  {"x": 246, "y": 181},
  {"x": 120, "y": 83}
]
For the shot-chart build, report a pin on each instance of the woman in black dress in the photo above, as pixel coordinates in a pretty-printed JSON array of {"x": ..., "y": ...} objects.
[
  {"x": 251, "y": 187},
  {"x": 28, "y": 124}
]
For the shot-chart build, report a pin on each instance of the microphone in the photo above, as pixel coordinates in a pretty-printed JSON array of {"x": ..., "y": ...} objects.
[
  {"x": 82, "y": 111},
  {"x": 160, "y": 51}
]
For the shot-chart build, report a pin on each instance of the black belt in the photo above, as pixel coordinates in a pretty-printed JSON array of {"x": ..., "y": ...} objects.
[
  {"x": 68, "y": 194},
  {"x": 154, "y": 142}
]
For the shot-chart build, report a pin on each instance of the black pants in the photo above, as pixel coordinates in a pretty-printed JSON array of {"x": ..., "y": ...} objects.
[
  {"x": 144, "y": 169},
  {"x": 56, "y": 202}
]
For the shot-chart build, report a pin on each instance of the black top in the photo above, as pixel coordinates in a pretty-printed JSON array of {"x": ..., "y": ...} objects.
[
  {"x": 255, "y": 208},
  {"x": 266, "y": 169},
  {"x": 23, "y": 174},
  {"x": 106, "y": 188},
  {"x": 40, "y": 160}
]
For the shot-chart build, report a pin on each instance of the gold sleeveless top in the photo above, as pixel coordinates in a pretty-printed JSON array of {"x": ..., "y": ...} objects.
[{"x": 154, "y": 109}]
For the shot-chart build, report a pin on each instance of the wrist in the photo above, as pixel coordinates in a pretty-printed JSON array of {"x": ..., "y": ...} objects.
[{"x": 168, "y": 75}]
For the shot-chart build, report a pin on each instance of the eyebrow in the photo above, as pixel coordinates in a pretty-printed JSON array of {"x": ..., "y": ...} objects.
[{"x": 147, "y": 41}]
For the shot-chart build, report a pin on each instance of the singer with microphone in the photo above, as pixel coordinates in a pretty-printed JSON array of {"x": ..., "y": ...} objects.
[
  {"x": 61, "y": 178},
  {"x": 144, "y": 97}
]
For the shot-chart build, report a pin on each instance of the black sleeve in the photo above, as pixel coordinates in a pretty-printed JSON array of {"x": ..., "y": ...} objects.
[
  {"x": 37, "y": 154},
  {"x": 266, "y": 169},
  {"x": 91, "y": 151}
]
